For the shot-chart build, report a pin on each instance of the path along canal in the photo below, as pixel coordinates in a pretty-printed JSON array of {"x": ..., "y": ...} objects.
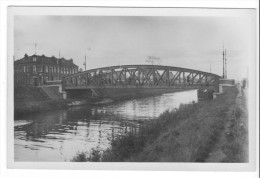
[{"x": 59, "y": 135}]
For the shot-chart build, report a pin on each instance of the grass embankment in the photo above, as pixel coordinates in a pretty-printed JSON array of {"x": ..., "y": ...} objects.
[{"x": 187, "y": 134}]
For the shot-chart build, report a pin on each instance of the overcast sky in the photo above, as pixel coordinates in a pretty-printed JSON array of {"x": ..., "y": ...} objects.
[{"x": 189, "y": 42}]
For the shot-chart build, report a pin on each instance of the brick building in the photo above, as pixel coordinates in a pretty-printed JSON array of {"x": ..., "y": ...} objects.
[{"x": 36, "y": 70}]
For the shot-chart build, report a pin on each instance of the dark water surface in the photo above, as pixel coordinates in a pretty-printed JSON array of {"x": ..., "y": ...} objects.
[{"x": 59, "y": 135}]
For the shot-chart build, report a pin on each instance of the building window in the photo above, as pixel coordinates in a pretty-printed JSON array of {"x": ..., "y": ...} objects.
[
  {"x": 58, "y": 70},
  {"x": 46, "y": 69},
  {"x": 40, "y": 69},
  {"x": 28, "y": 80},
  {"x": 24, "y": 68},
  {"x": 54, "y": 69},
  {"x": 34, "y": 69},
  {"x": 34, "y": 59}
]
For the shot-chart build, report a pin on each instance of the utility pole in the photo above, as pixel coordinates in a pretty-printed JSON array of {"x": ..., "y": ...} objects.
[
  {"x": 59, "y": 54},
  {"x": 225, "y": 64},
  {"x": 85, "y": 63},
  {"x": 35, "y": 44},
  {"x": 210, "y": 67}
]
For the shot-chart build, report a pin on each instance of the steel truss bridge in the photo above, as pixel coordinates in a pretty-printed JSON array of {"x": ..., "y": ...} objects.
[{"x": 141, "y": 76}]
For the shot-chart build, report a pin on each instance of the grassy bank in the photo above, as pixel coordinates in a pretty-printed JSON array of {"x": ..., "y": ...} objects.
[{"x": 188, "y": 134}]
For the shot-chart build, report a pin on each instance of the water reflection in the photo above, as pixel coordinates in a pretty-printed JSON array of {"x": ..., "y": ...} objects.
[{"x": 59, "y": 135}]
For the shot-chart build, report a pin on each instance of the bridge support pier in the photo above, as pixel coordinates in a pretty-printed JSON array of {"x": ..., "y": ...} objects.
[
  {"x": 205, "y": 94},
  {"x": 79, "y": 94},
  {"x": 223, "y": 84}
]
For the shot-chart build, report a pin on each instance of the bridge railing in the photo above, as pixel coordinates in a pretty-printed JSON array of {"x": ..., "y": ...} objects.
[{"x": 141, "y": 76}]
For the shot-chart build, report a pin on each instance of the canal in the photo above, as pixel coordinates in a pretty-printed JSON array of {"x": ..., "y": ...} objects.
[{"x": 59, "y": 135}]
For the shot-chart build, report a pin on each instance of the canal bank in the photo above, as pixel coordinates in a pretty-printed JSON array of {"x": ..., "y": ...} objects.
[
  {"x": 191, "y": 133},
  {"x": 30, "y": 99},
  {"x": 58, "y": 135}
]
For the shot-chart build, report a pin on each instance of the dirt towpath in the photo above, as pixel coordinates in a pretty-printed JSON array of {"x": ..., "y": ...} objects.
[{"x": 232, "y": 145}]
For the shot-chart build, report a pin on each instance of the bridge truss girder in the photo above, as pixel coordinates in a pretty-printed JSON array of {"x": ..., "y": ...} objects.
[{"x": 142, "y": 76}]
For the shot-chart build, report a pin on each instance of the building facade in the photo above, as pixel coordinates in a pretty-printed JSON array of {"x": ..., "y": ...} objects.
[{"x": 37, "y": 70}]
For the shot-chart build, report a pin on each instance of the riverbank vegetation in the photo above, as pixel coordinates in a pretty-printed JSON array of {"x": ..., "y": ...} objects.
[{"x": 188, "y": 134}]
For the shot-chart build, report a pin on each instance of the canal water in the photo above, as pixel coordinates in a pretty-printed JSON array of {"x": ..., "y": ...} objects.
[{"x": 59, "y": 135}]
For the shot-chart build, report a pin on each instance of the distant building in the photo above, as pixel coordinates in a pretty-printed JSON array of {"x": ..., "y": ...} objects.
[{"x": 36, "y": 70}]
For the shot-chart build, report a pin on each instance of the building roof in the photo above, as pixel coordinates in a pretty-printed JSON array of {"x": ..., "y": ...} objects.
[{"x": 46, "y": 60}]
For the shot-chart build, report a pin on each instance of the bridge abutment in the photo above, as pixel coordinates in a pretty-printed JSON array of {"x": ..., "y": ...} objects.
[
  {"x": 223, "y": 85},
  {"x": 205, "y": 94},
  {"x": 77, "y": 94}
]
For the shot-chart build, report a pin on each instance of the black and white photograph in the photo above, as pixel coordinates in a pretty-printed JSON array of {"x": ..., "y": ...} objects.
[{"x": 132, "y": 85}]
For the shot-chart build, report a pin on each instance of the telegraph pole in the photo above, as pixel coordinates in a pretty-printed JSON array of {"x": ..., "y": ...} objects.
[
  {"x": 225, "y": 64},
  {"x": 85, "y": 63},
  {"x": 35, "y": 45}
]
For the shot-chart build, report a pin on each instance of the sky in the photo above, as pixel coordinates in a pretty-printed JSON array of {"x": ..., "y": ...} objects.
[{"x": 184, "y": 41}]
